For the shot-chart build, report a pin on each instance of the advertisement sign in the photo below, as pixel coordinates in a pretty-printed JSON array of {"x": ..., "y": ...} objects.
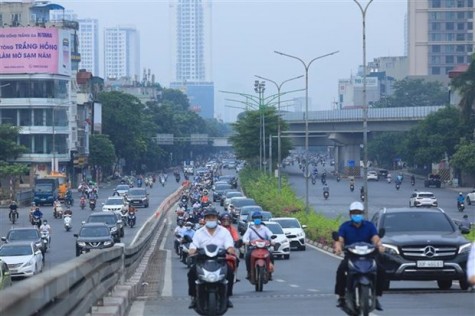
[{"x": 35, "y": 50}]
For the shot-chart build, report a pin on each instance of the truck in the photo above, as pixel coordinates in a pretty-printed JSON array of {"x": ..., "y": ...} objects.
[
  {"x": 50, "y": 188},
  {"x": 189, "y": 167},
  {"x": 433, "y": 180}
]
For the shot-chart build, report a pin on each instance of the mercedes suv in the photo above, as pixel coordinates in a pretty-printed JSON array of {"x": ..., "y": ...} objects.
[{"x": 424, "y": 246}]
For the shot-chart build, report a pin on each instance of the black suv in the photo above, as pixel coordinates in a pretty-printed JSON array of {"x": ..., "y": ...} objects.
[
  {"x": 137, "y": 197},
  {"x": 111, "y": 220},
  {"x": 25, "y": 234},
  {"x": 433, "y": 180},
  {"x": 93, "y": 236},
  {"x": 219, "y": 189},
  {"x": 422, "y": 246}
]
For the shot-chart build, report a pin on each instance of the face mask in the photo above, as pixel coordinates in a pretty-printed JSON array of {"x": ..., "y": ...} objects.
[
  {"x": 211, "y": 224},
  {"x": 257, "y": 221},
  {"x": 357, "y": 218},
  {"x": 188, "y": 228}
]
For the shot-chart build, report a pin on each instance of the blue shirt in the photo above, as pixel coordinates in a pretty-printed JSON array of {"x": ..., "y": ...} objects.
[{"x": 352, "y": 233}]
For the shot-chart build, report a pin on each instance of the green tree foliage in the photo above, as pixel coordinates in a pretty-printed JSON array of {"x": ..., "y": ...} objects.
[
  {"x": 464, "y": 157},
  {"x": 246, "y": 140},
  {"x": 465, "y": 85},
  {"x": 433, "y": 137},
  {"x": 385, "y": 147},
  {"x": 9, "y": 149},
  {"x": 101, "y": 152},
  {"x": 415, "y": 92}
]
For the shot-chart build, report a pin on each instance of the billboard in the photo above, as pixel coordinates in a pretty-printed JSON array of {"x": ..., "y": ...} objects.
[{"x": 35, "y": 50}]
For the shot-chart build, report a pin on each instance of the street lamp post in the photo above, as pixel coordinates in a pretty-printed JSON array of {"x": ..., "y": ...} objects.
[
  {"x": 306, "y": 66},
  {"x": 279, "y": 157},
  {"x": 259, "y": 87},
  {"x": 363, "y": 10}
]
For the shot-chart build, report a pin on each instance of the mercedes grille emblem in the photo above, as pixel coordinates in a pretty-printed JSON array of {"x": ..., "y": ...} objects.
[{"x": 429, "y": 251}]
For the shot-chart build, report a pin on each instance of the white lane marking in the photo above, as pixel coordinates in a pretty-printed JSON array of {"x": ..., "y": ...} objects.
[
  {"x": 294, "y": 285},
  {"x": 167, "y": 280},
  {"x": 279, "y": 280},
  {"x": 137, "y": 309},
  {"x": 313, "y": 290},
  {"x": 323, "y": 251},
  {"x": 164, "y": 239}
]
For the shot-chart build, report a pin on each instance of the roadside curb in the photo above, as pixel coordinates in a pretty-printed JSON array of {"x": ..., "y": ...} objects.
[
  {"x": 322, "y": 247},
  {"x": 119, "y": 300}
]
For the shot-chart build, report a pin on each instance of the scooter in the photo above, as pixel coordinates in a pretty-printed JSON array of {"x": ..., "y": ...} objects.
[
  {"x": 36, "y": 221},
  {"x": 398, "y": 186},
  {"x": 92, "y": 204},
  {"x": 461, "y": 206},
  {"x": 314, "y": 179},
  {"x": 389, "y": 180},
  {"x": 211, "y": 284},
  {"x": 338, "y": 178},
  {"x": 45, "y": 239},
  {"x": 352, "y": 187},
  {"x": 82, "y": 203},
  {"x": 67, "y": 222},
  {"x": 360, "y": 294},
  {"x": 131, "y": 219},
  {"x": 261, "y": 266},
  {"x": 362, "y": 197},
  {"x": 326, "y": 194},
  {"x": 185, "y": 246}
]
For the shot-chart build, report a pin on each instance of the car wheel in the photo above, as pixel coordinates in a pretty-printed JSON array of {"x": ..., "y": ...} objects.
[
  {"x": 444, "y": 284},
  {"x": 146, "y": 205},
  {"x": 286, "y": 257},
  {"x": 469, "y": 202},
  {"x": 117, "y": 240},
  {"x": 464, "y": 285},
  {"x": 122, "y": 233},
  {"x": 386, "y": 284},
  {"x": 78, "y": 252},
  {"x": 303, "y": 248}
]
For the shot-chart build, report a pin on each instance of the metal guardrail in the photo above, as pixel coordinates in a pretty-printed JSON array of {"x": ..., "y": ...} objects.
[
  {"x": 73, "y": 287},
  {"x": 380, "y": 114}
]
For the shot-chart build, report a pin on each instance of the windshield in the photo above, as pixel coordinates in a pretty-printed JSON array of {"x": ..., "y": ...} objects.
[
  {"x": 23, "y": 235},
  {"x": 102, "y": 219},
  {"x": 288, "y": 223},
  {"x": 417, "y": 221},
  {"x": 44, "y": 187},
  {"x": 122, "y": 187},
  {"x": 220, "y": 187},
  {"x": 233, "y": 194},
  {"x": 137, "y": 192},
  {"x": 114, "y": 202},
  {"x": 426, "y": 195},
  {"x": 251, "y": 209},
  {"x": 243, "y": 202},
  {"x": 94, "y": 232},
  {"x": 275, "y": 228},
  {"x": 17, "y": 250}
]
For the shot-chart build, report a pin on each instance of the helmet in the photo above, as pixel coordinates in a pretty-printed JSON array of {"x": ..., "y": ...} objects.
[
  {"x": 33, "y": 204},
  {"x": 188, "y": 224},
  {"x": 205, "y": 192},
  {"x": 210, "y": 212},
  {"x": 180, "y": 223},
  {"x": 356, "y": 206},
  {"x": 460, "y": 193},
  {"x": 225, "y": 216},
  {"x": 256, "y": 215}
]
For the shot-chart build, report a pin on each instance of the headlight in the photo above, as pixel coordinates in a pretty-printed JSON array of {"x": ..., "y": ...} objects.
[
  {"x": 113, "y": 229},
  {"x": 390, "y": 249},
  {"x": 465, "y": 248},
  {"x": 212, "y": 277},
  {"x": 81, "y": 244},
  {"x": 107, "y": 243},
  {"x": 29, "y": 262}
]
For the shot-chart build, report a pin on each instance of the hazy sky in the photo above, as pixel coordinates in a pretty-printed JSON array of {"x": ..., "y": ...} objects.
[{"x": 246, "y": 33}]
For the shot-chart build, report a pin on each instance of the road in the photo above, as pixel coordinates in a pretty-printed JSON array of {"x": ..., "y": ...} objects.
[
  {"x": 302, "y": 285},
  {"x": 62, "y": 242}
]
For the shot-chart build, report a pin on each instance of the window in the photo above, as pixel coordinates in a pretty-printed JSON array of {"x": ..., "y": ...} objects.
[
  {"x": 435, "y": 4},
  {"x": 460, "y": 26},
  {"x": 435, "y": 60},
  {"x": 460, "y": 48},
  {"x": 435, "y": 70},
  {"x": 450, "y": 3},
  {"x": 449, "y": 26},
  {"x": 435, "y": 26},
  {"x": 460, "y": 59},
  {"x": 436, "y": 48},
  {"x": 449, "y": 59},
  {"x": 9, "y": 116},
  {"x": 39, "y": 144},
  {"x": 460, "y": 3},
  {"x": 25, "y": 117},
  {"x": 38, "y": 119},
  {"x": 460, "y": 15},
  {"x": 25, "y": 140},
  {"x": 460, "y": 37}
]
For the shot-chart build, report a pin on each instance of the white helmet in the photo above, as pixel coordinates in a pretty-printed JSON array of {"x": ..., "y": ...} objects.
[{"x": 356, "y": 206}]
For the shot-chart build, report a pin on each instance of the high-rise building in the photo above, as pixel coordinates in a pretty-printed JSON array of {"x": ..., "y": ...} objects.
[
  {"x": 192, "y": 21},
  {"x": 121, "y": 53},
  {"x": 89, "y": 45},
  {"x": 440, "y": 35}
]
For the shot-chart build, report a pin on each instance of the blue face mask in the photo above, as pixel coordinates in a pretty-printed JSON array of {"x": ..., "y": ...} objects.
[
  {"x": 357, "y": 218},
  {"x": 211, "y": 224},
  {"x": 257, "y": 221}
]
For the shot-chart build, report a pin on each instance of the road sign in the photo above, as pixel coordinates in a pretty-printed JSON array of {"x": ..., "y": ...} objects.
[
  {"x": 165, "y": 139},
  {"x": 199, "y": 139}
]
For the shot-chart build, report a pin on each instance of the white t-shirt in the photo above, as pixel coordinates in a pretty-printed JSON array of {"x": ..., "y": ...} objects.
[
  {"x": 221, "y": 238},
  {"x": 250, "y": 235}
]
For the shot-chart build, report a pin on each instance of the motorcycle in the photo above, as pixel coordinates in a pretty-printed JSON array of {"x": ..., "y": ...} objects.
[
  {"x": 162, "y": 181},
  {"x": 261, "y": 266},
  {"x": 67, "y": 222},
  {"x": 461, "y": 206},
  {"x": 92, "y": 204},
  {"x": 58, "y": 212},
  {"x": 13, "y": 216},
  {"x": 352, "y": 187},
  {"x": 36, "y": 221},
  {"x": 185, "y": 246},
  {"x": 131, "y": 219},
  {"x": 360, "y": 294},
  {"x": 314, "y": 179},
  {"x": 123, "y": 216},
  {"x": 45, "y": 238},
  {"x": 326, "y": 194},
  {"x": 362, "y": 197},
  {"x": 177, "y": 179},
  {"x": 388, "y": 179},
  {"x": 338, "y": 178},
  {"x": 211, "y": 284},
  {"x": 82, "y": 203},
  {"x": 413, "y": 182},
  {"x": 398, "y": 186}
]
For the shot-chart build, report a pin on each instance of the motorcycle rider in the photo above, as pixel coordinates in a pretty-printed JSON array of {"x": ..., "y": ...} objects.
[
  {"x": 413, "y": 179},
  {"x": 179, "y": 230},
  {"x": 226, "y": 223},
  {"x": 255, "y": 232},
  {"x": 465, "y": 222},
  {"x": 45, "y": 227},
  {"x": 13, "y": 210},
  {"x": 356, "y": 230},
  {"x": 211, "y": 233},
  {"x": 326, "y": 188},
  {"x": 39, "y": 214},
  {"x": 460, "y": 199},
  {"x": 188, "y": 231}
]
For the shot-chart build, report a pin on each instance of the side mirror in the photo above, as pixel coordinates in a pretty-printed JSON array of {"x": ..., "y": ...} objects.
[
  {"x": 4, "y": 239},
  {"x": 304, "y": 226},
  {"x": 103, "y": 204},
  {"x": 335, "y": 236},
  {"x": 83, "y": 222},
  {"x": 382, "y": 232},
  {"x": 76, "y": 235},
  {"x": 273, "y": 237},
  {"x": 465, "y": 230}
]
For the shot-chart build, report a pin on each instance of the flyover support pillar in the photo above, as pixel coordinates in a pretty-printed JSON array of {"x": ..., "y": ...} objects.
[{"x": 349, "y": 158}]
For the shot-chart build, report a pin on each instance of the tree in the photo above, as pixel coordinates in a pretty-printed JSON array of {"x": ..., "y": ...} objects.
[
  {"x": 415, "y": 92},
  {"x": 246, "y": 140},
  {"x": 385, "y": 147},
  {"x": 465, "y": 85},
  {"x": 101, "y": 152},
  {"x": 464, "y": 157},
  {"x": 9, "y": 149}
]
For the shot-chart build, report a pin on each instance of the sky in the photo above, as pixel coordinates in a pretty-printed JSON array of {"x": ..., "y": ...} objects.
[{"x": 246, "y": 33}]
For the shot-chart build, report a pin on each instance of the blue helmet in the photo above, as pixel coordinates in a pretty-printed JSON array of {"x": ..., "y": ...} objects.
[{"x": 256, "y": 214}]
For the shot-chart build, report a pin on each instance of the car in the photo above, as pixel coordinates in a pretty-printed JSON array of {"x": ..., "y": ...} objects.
[
  {"x": 229, "y": 179},
  {"x": 112, "y": 220},
  {"x": 5, "y": 275},
  {"x": 245, "y": 211},
  {"x": 219, "y": 188},
  {"x": 116, "y": 204},
  {"x": 93, "y": 236},
  {"x": 244, "y": 224},
  {"x": 383, "y": 173},
  {"x": 293, "y": 230},
  {"x": 419, "y": 199},
  {"x": 231, "y": 165},
  {"x": 138, "y": 197},
  {"x": 238, "y": 203},
  {"x": 372, "y": 176},
  {"x": 470, "y": 197},
  {"x": 24, "y": 258},
  {"x": 433, "y": 180},
  {"x": 25, "y": 234},
  {"x": 281, "y": 244},
  {"x": 423, "y": 246},
  {"x": 227, "y": 198},
  {"x": 122, "y": 189}
]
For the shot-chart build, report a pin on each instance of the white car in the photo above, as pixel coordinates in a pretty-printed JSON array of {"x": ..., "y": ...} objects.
[
  {"x": 423, "y": 199},
  {"x": 293, "y": 230},
  {"x": 23, "y": 258},
  {"x": 281, "y": 244},
  {"x": 372, "y": 176},
  {"x": 116, "y": 204},
  {"x": 122, "y": 189},
  {"x": 470, "y": 197}
]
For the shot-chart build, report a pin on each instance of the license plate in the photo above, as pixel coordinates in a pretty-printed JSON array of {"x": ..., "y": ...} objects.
[
  {"x": 430, "y": 264},
  {"x": 43, "y": 199}
]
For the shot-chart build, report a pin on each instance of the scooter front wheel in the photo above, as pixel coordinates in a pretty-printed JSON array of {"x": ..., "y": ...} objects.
[
  {"x": 212, "y": 304},
  {"x": 364, "y": 298},
  {"x": 260, "y": 271}
]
